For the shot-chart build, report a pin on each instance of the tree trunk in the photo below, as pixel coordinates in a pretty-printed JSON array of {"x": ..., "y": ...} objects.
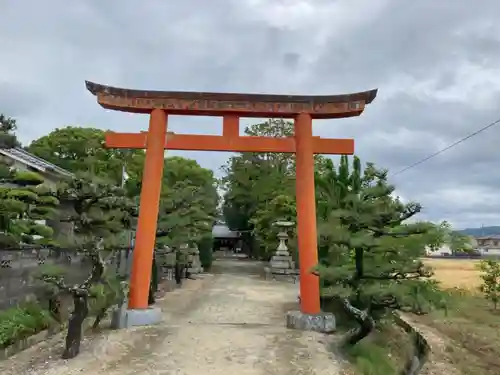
[
  {"x": 178, "y": 274},
  {"x": 151, "y": 296},
  {"x": 99, "y": 317},
  {"x": 365, "y": 321},
  {"x": 153, "y": 285},
  {"x": 74, "y": 335},
  {"x": 55, "y": 307}
]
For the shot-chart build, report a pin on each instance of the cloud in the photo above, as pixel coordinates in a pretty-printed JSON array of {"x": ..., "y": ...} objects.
[{"x": 435, "y": 64}]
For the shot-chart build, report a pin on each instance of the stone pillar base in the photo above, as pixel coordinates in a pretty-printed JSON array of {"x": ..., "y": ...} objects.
[
  {"x": 126, "y": 318},
  {"x": 323, "y": 322}
]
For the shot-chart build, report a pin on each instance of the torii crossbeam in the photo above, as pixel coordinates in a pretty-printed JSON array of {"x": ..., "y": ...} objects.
[{"x": 303, "y": 109}]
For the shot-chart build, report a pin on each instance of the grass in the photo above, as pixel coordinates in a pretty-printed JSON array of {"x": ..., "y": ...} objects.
[
  {"x": 470, "y": 328},
  {"x": 384, "y": 352},
  {"x": 20, "y": 322},
  {"x": 456, "y": 273}
]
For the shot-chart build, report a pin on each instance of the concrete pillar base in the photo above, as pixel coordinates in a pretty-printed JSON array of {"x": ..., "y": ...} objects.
[
  {"x": 323, "y": 322},
  {"x": 127, "y": 318}
]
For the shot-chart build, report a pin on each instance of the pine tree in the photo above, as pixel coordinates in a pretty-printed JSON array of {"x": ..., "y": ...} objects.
[
  {"x": 333, "y": 186},
  {"x": 377, "y": 267},
  {"x": 100, "y": 213},
  {"x": 183, "y": 220}
]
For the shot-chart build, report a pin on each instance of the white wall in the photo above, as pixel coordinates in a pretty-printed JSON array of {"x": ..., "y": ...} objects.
[{"x": 443, "y": 250}]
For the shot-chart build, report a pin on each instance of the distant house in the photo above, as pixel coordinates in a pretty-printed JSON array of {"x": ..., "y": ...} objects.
[
  {"x": 488, "y": 245},
  {"x": 443, "y": 250},
  {"x": 22, "y": 160}
]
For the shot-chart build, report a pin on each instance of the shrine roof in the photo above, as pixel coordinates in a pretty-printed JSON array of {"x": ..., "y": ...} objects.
[{"x": 246, "y": 105}]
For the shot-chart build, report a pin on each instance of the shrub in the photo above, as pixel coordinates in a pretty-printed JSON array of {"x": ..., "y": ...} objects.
[
  {"x": 22, "y": 321},
  {"x": 490, "y": 274},
  {"x": 206, "y": 251}
]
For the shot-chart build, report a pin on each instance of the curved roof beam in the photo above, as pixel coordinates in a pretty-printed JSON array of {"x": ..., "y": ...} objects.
[{"x": 220, "y": 104}]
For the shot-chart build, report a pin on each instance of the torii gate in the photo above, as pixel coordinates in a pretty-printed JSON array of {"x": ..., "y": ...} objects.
[{"x": 159, "y": 104}]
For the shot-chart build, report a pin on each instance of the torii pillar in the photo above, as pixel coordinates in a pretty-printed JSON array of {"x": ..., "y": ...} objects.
[{"x": 303, "y": 109}]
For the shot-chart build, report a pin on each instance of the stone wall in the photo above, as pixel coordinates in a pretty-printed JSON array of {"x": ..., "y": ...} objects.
[{"x": 19, "y": 268}]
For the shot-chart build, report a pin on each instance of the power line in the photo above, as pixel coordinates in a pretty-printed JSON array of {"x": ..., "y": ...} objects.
[{"x": 448, "y": 147}]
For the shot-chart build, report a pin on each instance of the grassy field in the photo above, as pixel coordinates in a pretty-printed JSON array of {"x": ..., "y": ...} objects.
[
  {"x": 468, "y": 331},
  {"x": 470, "y": 327},
  {"x": 456, "y": 273}
]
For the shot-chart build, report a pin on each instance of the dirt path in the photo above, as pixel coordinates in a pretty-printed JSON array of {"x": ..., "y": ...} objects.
[{"x": 222, "y": 324}]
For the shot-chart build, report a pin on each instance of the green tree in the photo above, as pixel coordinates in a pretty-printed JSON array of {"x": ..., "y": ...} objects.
[
  {"x": 79, "y": 149},
  {"x": 188, "y": 204},
  {"x": 8, "y": 126},
  {"x": 183, "y": 218},
  {"x": 438, "y": 235},
  {"x": 490, "y": 274},
  {"x": 282, "y": 207},
  {"x": 25, "y": 204},
  {"x": 377, "y": 266},
  {"x": 333, "y": 186},
  {"x": 460, "y": 243},
  {"x": 188, "y": 209},
  {"x": 253, "y": 180},
  {"x": 100, "y": 213}
]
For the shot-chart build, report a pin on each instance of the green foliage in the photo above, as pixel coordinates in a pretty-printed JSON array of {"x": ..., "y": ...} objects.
[
  {"x": 7, "y": 128},
  {"x": 205, "y": 246},
  {"x": 333, "y": 185},
  {"x": 376, "y": 252},
  {"x": 101, "y": 213},
  {"x": 79, "y": 149},
  {"x": 104, "y": 295},
  {"x": 20, "y": 322},
  {"x": 371, "y": 359},
  {"x": 100, "y": 209},
  {"x": 282, "y": 207},
  {"x": 26, "y": 178},
  {"x": 490, "y": 274},
  {"x": 24, "y": 200},
  {"x": 461, "y": 243},
  {"x": 373, "y": 262},
  {"x": 188, "y": 204},
  {"x": 253, "y": 180}
]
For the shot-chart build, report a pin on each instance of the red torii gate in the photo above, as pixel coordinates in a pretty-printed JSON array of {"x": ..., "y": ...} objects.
[{"x": 158, "y": 104}]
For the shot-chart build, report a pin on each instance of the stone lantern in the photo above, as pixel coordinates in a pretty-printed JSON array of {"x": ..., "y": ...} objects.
[
  {"x": 195, "y": 263},
  {"x": 281, "y": 262}
]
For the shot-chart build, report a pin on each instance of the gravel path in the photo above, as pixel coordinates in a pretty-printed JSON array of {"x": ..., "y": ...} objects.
[{"x": 222, "y": 324}]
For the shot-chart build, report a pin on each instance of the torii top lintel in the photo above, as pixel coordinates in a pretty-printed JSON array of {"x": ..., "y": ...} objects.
[{"x": 220, "y": 104}]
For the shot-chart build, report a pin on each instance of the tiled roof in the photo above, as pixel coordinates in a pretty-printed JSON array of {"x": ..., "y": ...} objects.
[
  {"x": 222, "y": 231},
  {"x": 33, "y": 161}
]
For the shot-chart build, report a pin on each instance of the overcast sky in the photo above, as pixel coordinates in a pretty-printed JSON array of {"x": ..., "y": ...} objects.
[{"x": 436, "y": 64}]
